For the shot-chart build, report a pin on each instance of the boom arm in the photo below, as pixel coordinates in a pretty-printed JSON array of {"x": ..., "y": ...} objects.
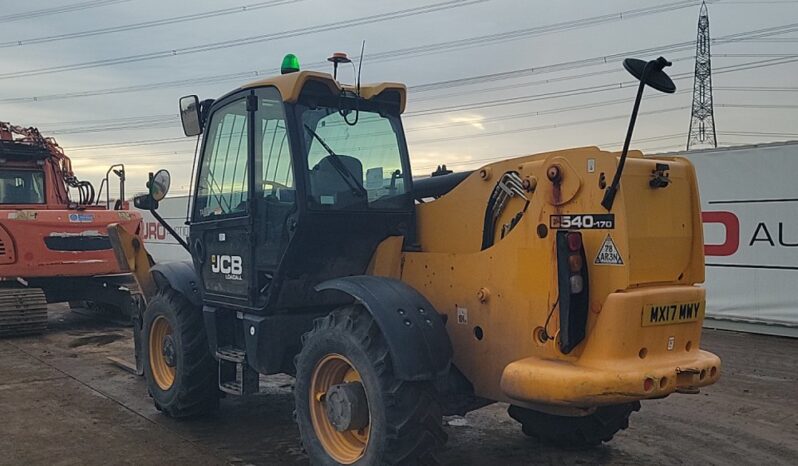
[{"x": 133, "y": 257}]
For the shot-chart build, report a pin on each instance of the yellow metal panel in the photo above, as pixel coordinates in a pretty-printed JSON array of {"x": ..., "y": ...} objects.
[
  {"x": 387, "y": 259},
  {"x": 497, "y": 300},
  {"x": 132, "y": 257},
  {"x": 290, "y": 86}
]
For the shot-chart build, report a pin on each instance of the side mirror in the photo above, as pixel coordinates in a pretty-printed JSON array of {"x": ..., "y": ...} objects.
[
  {"x": 654, "y": 76},
  {"x": 145, "y": 202},
  {"x": 159, "y": 185},
  {"x": 190, "y": 115}
]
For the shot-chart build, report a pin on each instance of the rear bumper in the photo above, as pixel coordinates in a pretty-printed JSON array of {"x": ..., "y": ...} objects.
[
  {"x": 534, "y": 380},
  {"x": 620, "y": 360}
]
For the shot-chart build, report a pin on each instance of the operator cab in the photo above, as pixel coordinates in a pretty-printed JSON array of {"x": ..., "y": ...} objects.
[
  {"x": 293, "y": 170},
  {"x": 22, "y": 176},
  {"x": 21, "y": 186}
]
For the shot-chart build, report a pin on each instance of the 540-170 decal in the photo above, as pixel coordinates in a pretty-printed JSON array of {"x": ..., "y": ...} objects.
[{"x": 582, "y": 222}]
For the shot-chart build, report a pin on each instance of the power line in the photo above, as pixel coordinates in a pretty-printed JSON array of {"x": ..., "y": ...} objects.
[
  {"x": 160, "y": 120},
  {"x": 423, "y": 50},
  {"x": 759, "y": 134},
  {"x": 504, "y": 157},
  {"x": 756, "y": 88},
  {"x": 512, "y": 117},
  {"x": 371, "y": 19},
  {"x": 520, "y": 99},
  {"x": 542, "y": 127},
  {"x": 775, "y": 39},
  {"x": 57, "y": 10},
  {"x": 373, "y": 57},
  {"x": 144, "y": 142},
  {"x": 148, "y": 24},
  {"x": 519, "y": 130},
  {"x": 760, "y": 106}
]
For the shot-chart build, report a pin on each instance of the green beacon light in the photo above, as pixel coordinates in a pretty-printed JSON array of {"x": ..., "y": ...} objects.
[{"x": 290, "y": 64}]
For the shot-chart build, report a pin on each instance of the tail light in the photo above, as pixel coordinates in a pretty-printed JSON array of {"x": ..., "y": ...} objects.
[
  {"x": 573, "y": 289},
  {"x": 574, "y": 241}
]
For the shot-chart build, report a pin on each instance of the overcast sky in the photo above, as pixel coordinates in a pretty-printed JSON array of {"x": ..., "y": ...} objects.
[{"x": 462, "y": 138}]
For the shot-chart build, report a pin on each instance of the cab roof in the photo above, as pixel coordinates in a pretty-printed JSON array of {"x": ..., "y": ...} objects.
[{"x": 290, "y": 86}]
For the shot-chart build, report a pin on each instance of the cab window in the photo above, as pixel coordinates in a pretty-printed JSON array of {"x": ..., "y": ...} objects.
[
  {"x": 354, "y": 159},
  {"x": 276, "y": 193},
  {"x": 21, "y": 187},
  {"x": 272, "y": 148},
  {"x": 223, "y": 187}
]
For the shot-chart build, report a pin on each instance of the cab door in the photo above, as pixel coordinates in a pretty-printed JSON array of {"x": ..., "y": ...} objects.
[
  {"x": 222, "y": 222},
  {"x": 275, "y": 194}
]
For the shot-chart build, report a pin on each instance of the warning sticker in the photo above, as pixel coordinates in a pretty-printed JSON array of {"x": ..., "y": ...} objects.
[
  {"x": 462, "y": 315},
  {"x": 608, "y": 254}
]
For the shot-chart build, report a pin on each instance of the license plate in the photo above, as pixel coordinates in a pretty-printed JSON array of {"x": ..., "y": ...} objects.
[{"x": 676, "y": 313}]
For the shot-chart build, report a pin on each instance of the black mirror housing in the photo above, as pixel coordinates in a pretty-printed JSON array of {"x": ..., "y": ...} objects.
[
  {"x": 145, "y": 202},
  {"x": 190, "y": 115}
]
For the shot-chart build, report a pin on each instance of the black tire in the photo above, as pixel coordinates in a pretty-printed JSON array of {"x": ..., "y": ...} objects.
[
  {"x": 405, "y": 418},
  {"x": 194, "y": 390},
  {"x": 575, "y": 432}
]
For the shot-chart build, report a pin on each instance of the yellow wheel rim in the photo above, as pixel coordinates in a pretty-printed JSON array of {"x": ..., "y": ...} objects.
[
  {"x": 344, "y": 447},
  {"x": 163, "y": 369}
]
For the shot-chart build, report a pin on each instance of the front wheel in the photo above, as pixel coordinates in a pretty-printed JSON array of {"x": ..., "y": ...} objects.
[
  {"x": 575, "y": 432},
  {"x": 350, "y": 408},
  {"x": 178, "y": 365}
]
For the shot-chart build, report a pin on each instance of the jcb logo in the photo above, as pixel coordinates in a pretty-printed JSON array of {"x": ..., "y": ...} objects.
[{"x": 230, "y": 266}]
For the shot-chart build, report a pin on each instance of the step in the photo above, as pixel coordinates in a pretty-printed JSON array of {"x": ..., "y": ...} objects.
[
  {"x": 232, "y": 387},
  {"x": 232, "y": 354}
]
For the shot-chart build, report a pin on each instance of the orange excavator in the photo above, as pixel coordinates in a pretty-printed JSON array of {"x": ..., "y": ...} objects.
[{"x": 54, "y": 243}]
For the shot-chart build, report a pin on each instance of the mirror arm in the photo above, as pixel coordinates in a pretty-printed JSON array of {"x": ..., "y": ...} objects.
[
  {"x": 171, "y": 230},
  {"x": 612, "y": 190}
]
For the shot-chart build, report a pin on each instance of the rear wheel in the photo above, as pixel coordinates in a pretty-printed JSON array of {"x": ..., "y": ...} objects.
[
  {"x": 575, "y": 432},
  {"x": 349, "y": 406},
  {"x": 180, "y": 370}
]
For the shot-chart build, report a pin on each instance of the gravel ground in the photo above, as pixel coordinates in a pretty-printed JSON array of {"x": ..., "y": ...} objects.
[{"x": 63, "y": 403}]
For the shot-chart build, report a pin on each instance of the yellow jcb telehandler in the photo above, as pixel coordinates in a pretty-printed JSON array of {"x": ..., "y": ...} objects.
[{"x": 562, "y": 283}]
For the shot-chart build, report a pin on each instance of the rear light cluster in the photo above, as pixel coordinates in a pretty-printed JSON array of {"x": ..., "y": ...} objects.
[
  {"x": 572, "y": 277},
  {"x": 575, "y": 262}
]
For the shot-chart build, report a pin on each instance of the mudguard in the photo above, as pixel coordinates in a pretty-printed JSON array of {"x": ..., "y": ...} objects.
[
  {"x": 417, "y": 339},
  {"x": 181, "y": 277}
]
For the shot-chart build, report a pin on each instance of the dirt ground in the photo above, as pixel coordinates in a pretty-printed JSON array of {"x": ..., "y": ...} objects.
[{"x": 63, "y": 403}]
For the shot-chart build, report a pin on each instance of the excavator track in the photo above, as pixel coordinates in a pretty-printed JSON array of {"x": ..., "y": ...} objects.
[{"x": 23, "y": 311}]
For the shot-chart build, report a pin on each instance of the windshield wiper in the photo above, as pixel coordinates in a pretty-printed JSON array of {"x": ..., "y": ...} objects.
[{"x": 349, "y": 178}]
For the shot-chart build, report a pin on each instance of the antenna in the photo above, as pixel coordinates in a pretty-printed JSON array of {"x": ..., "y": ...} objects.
[
  {"x": 360, "y": 64},
  {"x": 336, "y": 58},
  {"x": 702, "y": 119}
]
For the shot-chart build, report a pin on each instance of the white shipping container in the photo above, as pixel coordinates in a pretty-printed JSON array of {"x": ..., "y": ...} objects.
[
  {"x": 157, "y": 240},
  {"x": 749, "y": 199}
]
